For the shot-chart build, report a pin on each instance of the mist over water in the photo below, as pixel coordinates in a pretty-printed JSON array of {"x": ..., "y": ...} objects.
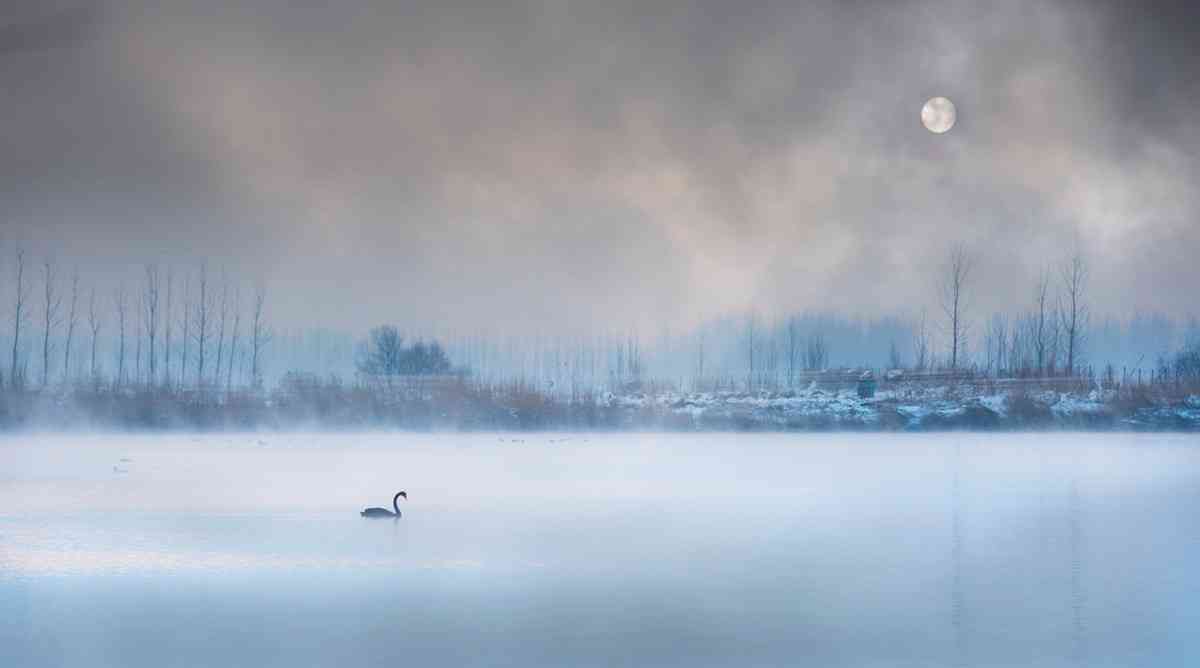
[{"x": 547, "y": 549}]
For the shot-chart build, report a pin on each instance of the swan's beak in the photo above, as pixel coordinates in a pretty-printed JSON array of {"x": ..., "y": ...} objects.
[{"x": 404, "y": 495}]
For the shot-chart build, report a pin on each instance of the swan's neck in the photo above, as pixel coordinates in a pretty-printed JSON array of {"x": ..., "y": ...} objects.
[{"x": 396, "y": 504}]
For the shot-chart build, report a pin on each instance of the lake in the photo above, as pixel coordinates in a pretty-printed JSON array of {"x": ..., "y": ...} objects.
[{"x": 600, "y": 550}]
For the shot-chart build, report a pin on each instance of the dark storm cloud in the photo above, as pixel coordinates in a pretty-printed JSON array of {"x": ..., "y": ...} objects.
[{"x": 573, "y": 164}]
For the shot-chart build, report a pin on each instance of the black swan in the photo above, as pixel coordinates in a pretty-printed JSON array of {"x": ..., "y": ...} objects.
[{"x": 384, "y": 512}]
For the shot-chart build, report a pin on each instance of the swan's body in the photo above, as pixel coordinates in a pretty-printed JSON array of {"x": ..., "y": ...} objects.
[{"x": 384, "y": 512}]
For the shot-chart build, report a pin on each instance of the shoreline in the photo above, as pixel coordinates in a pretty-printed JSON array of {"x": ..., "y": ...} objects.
[{"x": 900, "y": 409}]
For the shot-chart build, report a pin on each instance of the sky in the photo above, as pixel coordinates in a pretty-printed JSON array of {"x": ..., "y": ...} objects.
[{"x": 575, "y": 166}]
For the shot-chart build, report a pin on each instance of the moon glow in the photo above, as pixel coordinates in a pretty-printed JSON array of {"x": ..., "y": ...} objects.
[{"x": 938, "y": 115}]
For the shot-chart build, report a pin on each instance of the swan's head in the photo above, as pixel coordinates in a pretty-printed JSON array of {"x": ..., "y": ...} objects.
[{"x": 405, "y": 495}]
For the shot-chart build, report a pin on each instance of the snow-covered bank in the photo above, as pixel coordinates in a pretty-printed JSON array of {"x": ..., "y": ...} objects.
[
  {"x": 930, "y": 408},
  {"x": 462, "y": 407}
]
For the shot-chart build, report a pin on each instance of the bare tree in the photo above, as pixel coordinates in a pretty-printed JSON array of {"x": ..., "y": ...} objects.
[
  {"x": 1053, "y": 341},
  {"x": 771, "y": 368},
  {"x": 816, "y": 353},
  {"x": 793, "y": 351},
  {"x": 150, "y": 315},
  {"x": 72, "y": 322},
  {"x": 50, "y": 318},
  {"x": 1040, "y": 325},
  {"x": 383, "y": 354},
  {"x": 1018, "y": 346},
  {"x": 894, "y": 360},
  {"x": 1002, "y": 332},
  {"x": 94, "y": 324},
  {"x": 1073, "y": 308},
  {"x": 137, "y": 345},
  {"x": 203, "y": 323},
  {"x": 185, "y": 323},
  {"x": 751, "y": 344},
  {"x": 955, "y": 280},
  {"x": 15, "y": 377},
  {"x": 168, "y": 322},
  {"x": 921, "y": 343},
  {"x": 996, "y": 342},
  {"x": 634, "y": 358},
  {"x": 260, "y": 336},
  {"x": 233, "y": 340},
  {"x": 119, "y": 301},
  {"x": 224, "y": 313}
]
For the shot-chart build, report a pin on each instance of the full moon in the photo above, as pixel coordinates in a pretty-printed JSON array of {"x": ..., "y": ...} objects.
[{"x": 938, "y": 115}]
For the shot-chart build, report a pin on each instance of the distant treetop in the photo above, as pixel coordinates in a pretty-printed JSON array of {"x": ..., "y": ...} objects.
[{"x": 385, "y": 354}]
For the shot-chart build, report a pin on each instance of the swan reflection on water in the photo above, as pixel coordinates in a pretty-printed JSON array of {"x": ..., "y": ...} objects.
[{"x": 384, "y": 512}]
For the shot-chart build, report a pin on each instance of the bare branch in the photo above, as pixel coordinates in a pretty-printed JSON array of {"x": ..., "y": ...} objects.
[
  {"x": 955, "y": 280},
  {"x": 72, "y": 322},
  {"x": 16, "y": 378}
]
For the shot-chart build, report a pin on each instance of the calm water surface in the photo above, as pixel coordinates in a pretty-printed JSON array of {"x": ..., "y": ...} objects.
[{"x": 601, "y": 550}]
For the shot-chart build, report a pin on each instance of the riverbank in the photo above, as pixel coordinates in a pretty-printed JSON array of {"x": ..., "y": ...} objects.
[
  {"x": 461, "y": 407},
  {"x": 932, "y": 409}
]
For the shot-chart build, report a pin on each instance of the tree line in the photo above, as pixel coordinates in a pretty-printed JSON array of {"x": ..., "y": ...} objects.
[
  {"x": 1046, "y": 339},
  {"x": 173, "y": 329},
  {"x": 192, "y": 328}
]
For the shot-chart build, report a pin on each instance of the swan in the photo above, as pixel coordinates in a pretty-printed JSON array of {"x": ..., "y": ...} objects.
[{"x": 384, "y": 512}]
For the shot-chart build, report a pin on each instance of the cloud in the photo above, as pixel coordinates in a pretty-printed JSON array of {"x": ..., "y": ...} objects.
[{"x": 560, "y": 165}]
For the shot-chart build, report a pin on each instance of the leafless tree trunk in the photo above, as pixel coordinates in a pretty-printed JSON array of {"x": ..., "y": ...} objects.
[
  {"x": 169, "y": 321},
  {"x": 137, "y": 346},
  {"x": 1053, "y": 341},
  {"x": 221, "y": 329},
  {"x": 150, "y": 300},
  {"x": 15, "y": 377},
  {"x": 771, "y": 372},
  {"x": 1041, "y": 326},
  {"x": 1073, "y": 308},
  {"x": 816, "y": 353},
  {"x": 50, "y": 319},
  {"x": 751, "y": 327},
  {"x": 260, "y": 337},
  {"x": 186, "y": 334},
  {"x": 793, "y": 351},
  {"x": 241, "y": 365},
  {"x": 203, "y": 321},
  {"x": 119, "y": 299},
  {"x": 996, "y": 337},
  {"x": 955, "y": 281},
  {"x": 233, "y": 339},
  {"x": 618, "y": 375},
  {"x": 72, "y": 322},
  {"x": 635, "y": 359},
  {"x": 1002, "y": 333},
  {"x": 1018, "y": 355},
  {"x": 94, "y": 324},
  {"x": 921, "y": 343},
  {"x": 989, "y": 345}
]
